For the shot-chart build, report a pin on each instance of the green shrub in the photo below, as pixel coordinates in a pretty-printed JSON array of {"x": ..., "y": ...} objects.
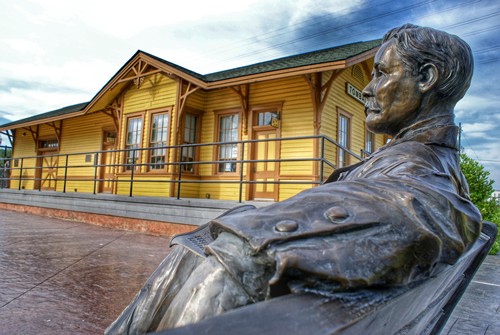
[
  {"x": 495, "y": 218},
  {"x": 480, "y": 190}
]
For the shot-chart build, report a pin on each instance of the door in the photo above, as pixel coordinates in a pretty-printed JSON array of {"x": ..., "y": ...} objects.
[
  {"x": 46, "y": 172},
  {"x": 107, "y": 169},
  {"x": 264, "y": 172}
]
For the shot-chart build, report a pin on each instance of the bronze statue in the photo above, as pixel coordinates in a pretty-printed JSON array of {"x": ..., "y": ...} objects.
[{"x": 399, "y": 216}]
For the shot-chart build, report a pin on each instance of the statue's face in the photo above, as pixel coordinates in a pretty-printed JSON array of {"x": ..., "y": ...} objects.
[{"x": 393, "y": 99}]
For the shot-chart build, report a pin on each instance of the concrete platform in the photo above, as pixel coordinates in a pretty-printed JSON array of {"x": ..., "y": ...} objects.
[
  {"x": 153, "y": 215},
  {"x": 64, "y": 277}
]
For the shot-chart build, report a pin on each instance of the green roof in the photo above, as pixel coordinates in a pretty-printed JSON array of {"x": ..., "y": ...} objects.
[
  {"x": 309, "y": 58},
  {"x": 54, "y": 113},
  {"x": 305, "y": 59}
]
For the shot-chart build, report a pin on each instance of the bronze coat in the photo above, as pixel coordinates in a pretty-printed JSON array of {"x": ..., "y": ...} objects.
[{"x": 394, "y": 218}]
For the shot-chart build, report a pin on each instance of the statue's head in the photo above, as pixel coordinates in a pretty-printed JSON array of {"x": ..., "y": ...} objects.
[{"x": 418, "y": 73}]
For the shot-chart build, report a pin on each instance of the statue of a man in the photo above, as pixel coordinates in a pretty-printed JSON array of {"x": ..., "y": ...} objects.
[{"x": 399, "y": 216}]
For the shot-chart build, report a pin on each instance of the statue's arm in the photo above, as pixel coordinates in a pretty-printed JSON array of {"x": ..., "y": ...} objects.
[{"x": 387, "y": 228}]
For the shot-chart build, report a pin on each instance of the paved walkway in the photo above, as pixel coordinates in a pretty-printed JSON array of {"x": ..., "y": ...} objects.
[{"x": 62, "y": 277}]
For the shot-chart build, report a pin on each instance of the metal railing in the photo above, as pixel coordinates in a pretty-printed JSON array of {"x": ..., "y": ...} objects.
[
  {"x": 5, "y": 155},
  {"x": 22, "y": 170}
]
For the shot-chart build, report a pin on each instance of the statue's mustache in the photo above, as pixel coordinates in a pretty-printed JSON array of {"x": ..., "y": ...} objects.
[{"x": 371, "y": 106}]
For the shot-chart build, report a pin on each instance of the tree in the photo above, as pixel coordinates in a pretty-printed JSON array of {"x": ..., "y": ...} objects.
[{"x": 480, "y": 190}]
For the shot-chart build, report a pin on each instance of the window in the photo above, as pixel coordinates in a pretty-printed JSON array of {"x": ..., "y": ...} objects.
[
  {"x": 266, "y": 118},
  {"x": 190, "y": 137},
  {"x": 133, "y": 141},
  {"x": 48, "y": 144},
  {"x": 158, "y": 141},
  {"x": 228, "y": 132},
  {"x": 343, "y": 140},
  {"x": 369, "y": 142}
]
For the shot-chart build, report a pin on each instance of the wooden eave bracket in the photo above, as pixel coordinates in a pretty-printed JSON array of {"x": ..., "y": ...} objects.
[
  {"x": 114, "y": 111},
  {"x": 243, "y": 92},
  {"x": 182, "y": 96},
  {"x": 57, "y": 129},
  {"x": 34, "y": 134},
  {"x": 140, "y": 71},
  {"x": 319, "y": 93}
]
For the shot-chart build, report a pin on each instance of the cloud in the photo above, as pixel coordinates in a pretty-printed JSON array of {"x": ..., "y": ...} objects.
[
  {"x": 2, "y": 119},
  {"x": 126, "y": 18},
  {"x": 478, "y": 127},
  {"x": 40, "y": 101}
]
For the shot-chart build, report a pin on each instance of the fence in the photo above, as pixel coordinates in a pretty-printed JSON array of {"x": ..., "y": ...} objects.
[
  {"x": 5, "y": 155},
  {"x": 124, "y": 168}
]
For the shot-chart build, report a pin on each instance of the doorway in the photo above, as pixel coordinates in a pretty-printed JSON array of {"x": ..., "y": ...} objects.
[
  {"x": 107, "y": 162},
  {"x": 47, "y": 163},
  {"x": 265, "y": 172}
]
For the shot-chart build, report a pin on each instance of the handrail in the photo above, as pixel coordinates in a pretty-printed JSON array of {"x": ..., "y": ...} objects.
[{"x": 172, "y": 169}]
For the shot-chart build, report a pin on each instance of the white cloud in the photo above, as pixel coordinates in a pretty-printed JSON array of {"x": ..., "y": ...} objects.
[
  {"x": 306, "y": 8},
  {"x": 126, "y": 18},
  {"x": 26, "y": 46},
  {"x": 15, "y": 101},
  {"x": 478, "y": 127},
  {"x": 474, "y": 102}
]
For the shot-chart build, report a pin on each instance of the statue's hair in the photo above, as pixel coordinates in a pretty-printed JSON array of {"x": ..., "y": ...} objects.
[{"x": 450, "y": 54}]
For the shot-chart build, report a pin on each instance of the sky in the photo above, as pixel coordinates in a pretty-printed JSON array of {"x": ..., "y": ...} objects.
[{"x": 56, "y": 53}]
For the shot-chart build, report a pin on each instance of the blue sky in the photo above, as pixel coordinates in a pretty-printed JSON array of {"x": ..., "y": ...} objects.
[{"x": 57, "y": 53}]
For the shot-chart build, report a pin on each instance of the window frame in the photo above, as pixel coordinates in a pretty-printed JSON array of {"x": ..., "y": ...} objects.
[
  {"x": 197, "y": 133},
  {"x": 348, "y": 117},
  {"x": 368, "y": 134},
  {"x": 151, "y": 114},
  {"x": 216, "y": 154},
  {"x": 126, "y": 157},
  {"x": 41, "y": 141}
]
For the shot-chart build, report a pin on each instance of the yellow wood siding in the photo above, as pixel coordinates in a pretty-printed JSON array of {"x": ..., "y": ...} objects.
[
  {"x": 157, "y": 93},
  {"x": 81, "y": 137},
  {"x": 150, "y": 185},
  {"x": 338, "y": 98},
  {"x": 296, "y": 120},
  {"x": 197, "y": 100},
  {"x": 216, "y": 100}
]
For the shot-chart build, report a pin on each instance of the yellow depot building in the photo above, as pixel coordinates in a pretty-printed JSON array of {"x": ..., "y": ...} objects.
[{"x": 258, "y": 132}]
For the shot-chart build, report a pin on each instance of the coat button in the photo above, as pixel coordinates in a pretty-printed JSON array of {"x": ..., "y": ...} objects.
[
  {"x": 336, "y": 213},
  {"x": 286, "y": 226}
]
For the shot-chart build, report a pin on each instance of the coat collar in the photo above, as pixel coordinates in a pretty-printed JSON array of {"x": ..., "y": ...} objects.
[{"x": 439, "y": 131}]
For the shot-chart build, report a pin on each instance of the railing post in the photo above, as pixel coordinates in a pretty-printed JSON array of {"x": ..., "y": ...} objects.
[
  {"x": 65, "y": 174},
  {"x": 322, "y": 162},
  {"x": 96, "y": 164},
  {"x": 20, "y": 174},
  {"x": 241, "y": 170},
  {"x": 40, "y": 175},
  {"x": 179, "y": 173},
  {"x": 132, "y": 173}
]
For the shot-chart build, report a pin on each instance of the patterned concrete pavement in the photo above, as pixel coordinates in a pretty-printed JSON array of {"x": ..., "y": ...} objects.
[{"x": 63, "y": 277}]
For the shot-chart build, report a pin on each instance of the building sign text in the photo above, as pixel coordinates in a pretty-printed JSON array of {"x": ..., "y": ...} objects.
[{"x": 355, "y": 93}]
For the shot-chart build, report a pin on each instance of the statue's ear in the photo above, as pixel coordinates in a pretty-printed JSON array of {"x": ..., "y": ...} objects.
[{"x": 429, "y": 77}]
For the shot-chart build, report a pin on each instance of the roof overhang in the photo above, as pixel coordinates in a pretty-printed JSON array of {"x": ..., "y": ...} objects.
[{"x": 29, "y": 123}]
